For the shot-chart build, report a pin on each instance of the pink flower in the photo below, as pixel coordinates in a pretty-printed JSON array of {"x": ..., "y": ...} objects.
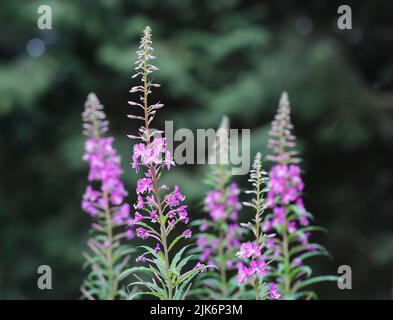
[
  {"x": 104, "y": 167},
  {"x": 218, "y": 212},
  {"x": 168, "y": 162},
  {"x": 248, "y": 250},
  {"x": 303, "y": 220},
  {"x": 157, "y": 248},
  {"x": 279, "y": 215},
  {"x": 140, "y": 259},
  {"x": 183, "y": 214},
  {"x": 267, "y": 225},
  {"x": 200, "y": 266},
  {"x": 243, "y": 273},
  {"x": 274, "y": 293},
  {"x": 150, "y": 201},
  {"x": 201, "y": 241},
  {"x": 187, "y": 234},
  {"x": 296, "y": 262},
  {"x": 89, "y": 208},
  {"x": 122, "y": 214},
  {"x": 174, "y": 198},
  {"x": 204, "y": 226},
  {"x": 138, "y": 217},
  {"x": 140, "y": 203},
  {"x": 153, "y": 215},
  {"x": 129, "y": 234},
  {"x": 90, "y": 194},
  {"x": 258, "y": 267},
  {"x": 142, "y": 233},
  {"x": 205, "y": 254},
  {"x": 291, "y": 226},
  {"x": 270, "y": 243},
  {"x": 285, "y": 181},
  {"x": 144, "y": 184}
]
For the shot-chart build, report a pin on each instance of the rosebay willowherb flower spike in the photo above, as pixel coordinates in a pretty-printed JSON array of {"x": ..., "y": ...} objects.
[
  {"x": 289, "y": 219},
  {"x": 253, "y": 268},
  {"x": 158, "y": 210},
  {"x": 281, "y": 140},
  {"x": 103, "y": 201},
  {"x": 218, "y": 239}
]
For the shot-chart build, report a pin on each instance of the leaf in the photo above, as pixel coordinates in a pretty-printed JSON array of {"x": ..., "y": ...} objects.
[
  {"x": 177, "y": 258},
  {"x": 316, "y": 280},
  {"x": 174, "y": 242},
  {"x": 147, "y": 227},
  {"x": 303, "y": 230},
  {"x": 307, "y": 294},
  {"x": 182, "y": 263},
  {"x": 149, "y": 285},
  {"x": 179, "y": 292},
  {"x": 307, "y": 255},
  {"x": 304, "y": 269},
  {"x": 160, "y": 263},
  {"x": 149, "y": 250},
  {"x": 130, "y": 271},
  {"x": 148, "y": 293}
]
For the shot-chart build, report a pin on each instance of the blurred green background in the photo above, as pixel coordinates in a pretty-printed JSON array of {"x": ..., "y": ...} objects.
[{"x": 216, "y": 57}]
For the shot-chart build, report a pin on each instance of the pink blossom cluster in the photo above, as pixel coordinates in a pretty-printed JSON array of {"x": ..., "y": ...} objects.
[
  {"x": 222, "y": 206},
  {"x": 209, "y": 247},
  {"x": 256, "y": 264},
  {"x": 155, "y": 156},
  {"x": 253, "y": 266},
  {"x": 152, "y": 154},
  {"x": 104, "y": 167},
  {"x": 285, "y": 188}
]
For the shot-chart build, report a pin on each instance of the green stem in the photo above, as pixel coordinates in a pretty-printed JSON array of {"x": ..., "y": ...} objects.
[
  {"x": 223, "y": 269},
  {"x": 109, "y": 250},
  {"x": 221, "y": 236},
  {"x": 287, "y": 267},
  {"x": 108, "y": 224},
  {"x": 163, "y": 233},
  {"x": 285, "y": 244},
  {"x": 257, "y": 225}
]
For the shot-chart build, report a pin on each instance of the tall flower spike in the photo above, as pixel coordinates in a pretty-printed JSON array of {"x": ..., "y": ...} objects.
[
  {"x": 254, "y": 265},
  {"x": 282, "y": 141},
  {"x": 289, "y": 219},
  {"x": 158, "y": 211},
  {"x": 218, "y": 239},
  {"x": 108, "y": 253}
]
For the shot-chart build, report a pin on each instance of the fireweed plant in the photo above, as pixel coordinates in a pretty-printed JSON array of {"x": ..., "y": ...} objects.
[
  {"x": 289, "y": 220},
  {"x": 159, "y": 209},
  {"x": 218, "y": 239},
  {"x": 253, "y": 268},
  {"x": 103, "y": 201}
]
